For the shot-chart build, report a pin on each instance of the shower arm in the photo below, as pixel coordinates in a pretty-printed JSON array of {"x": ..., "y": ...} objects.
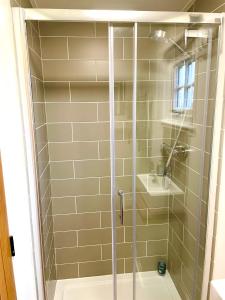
[
  {"x": 179, "y": 47},
  {"x": 174, "y": 146}
]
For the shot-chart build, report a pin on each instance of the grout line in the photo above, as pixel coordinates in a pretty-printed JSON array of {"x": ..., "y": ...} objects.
[
  {"x": 74, "y": 170},
  {"x": 108, "y": 259},
  {"x": 99, "y": 186},
  {"x": 104, "y": 228},
  {"x": 105, "y": 244},
  {"x": 43, "y": 171},
  {"x": 107, "y": 211},
  {"x": 123, "y": 167},
  {"x": 78, "y": 270},
  {"x": 75, "y": 203},
  {"x": 34, "y": 52},
  {"x": 99, "y": 155},
  {"x": 48, "y": 232},
  {"x": 67, "y": 46},
  {"x": 44, "y": 124},
  {"x": 92, "y": 195},
  {"x": 72, "y": 132},
  {"x": 48, "y": 256},
  {"x": 34, "y": 90},
  {"x": 33, "y": 75},
  {"x": 218, "y": 8},
  {"x": 77, "y": 238},
  {"x": 70, "y": 94},
  {"x": 98, "y": 111},
  {"x": 47, "y": 189}
]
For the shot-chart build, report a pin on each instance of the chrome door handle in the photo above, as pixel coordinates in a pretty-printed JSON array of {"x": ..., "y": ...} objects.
[{"x": 121, "y": 195}]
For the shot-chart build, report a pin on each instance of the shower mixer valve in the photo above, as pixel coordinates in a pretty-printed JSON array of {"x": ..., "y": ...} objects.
[{"x": 180, "y": 151}]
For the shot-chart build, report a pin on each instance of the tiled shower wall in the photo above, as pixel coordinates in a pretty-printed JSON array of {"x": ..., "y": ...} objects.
[
  {"x": 76, "y": 93},
  {"x": 20, "y": 3},
  {"x": 75, "y": 70},
  {"x": 179, "y": 210},
  {"x": 42, "y": 156}
]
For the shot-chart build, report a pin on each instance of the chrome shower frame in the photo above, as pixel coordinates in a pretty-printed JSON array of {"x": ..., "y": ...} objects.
[{"x": 112, "y": 16}]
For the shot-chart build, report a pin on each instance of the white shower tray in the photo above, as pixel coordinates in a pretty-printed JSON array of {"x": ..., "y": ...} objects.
[{"x": 154, "y": 185}]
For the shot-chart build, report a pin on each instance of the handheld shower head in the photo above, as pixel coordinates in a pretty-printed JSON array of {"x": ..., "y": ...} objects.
[
  {"x": 161, "y": 35},
  {"x": 158, "y": 35}
]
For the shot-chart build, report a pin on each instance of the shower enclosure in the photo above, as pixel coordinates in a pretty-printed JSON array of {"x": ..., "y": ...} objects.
[{"x": 121, "y": 116}]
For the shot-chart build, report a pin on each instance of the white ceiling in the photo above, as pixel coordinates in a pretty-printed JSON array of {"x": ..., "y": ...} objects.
[{"x": 154, "y": 5}]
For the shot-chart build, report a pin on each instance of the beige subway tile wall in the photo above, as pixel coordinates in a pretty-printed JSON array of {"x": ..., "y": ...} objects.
[
  {"x": 76, "y": 109},
  {"x": 209, "y": 6},
  {"x": 20, "y": 3},
  {"x": 75, "y": 70},
  {"x": 42, "y": 158},
  {"x": 73, "y": 96},
  {"x": 71, "y": 119}
]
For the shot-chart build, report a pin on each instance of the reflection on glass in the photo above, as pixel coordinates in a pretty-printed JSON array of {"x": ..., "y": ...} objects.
[
  {"x": 180, "y": 98},
  {"x": 181, "y": 75},
  {"x": 191, "y": 72},
  {"x": 190, "y": 94}
]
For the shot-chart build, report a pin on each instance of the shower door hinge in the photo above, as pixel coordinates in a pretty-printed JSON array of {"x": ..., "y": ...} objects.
[{"x": 12, "y": 247}]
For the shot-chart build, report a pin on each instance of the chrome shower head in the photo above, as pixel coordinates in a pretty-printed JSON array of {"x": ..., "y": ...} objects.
[
  {"x": 161, "y": 35},
  {"x": 158, "y": 35}
]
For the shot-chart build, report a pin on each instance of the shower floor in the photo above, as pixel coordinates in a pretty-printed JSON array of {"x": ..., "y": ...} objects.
[{"x": 150, "y": 286}]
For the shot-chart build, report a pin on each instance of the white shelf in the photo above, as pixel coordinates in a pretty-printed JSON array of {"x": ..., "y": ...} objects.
[
  {"x": 153, "y": 184},
  {"x": 175, "y": 122}
]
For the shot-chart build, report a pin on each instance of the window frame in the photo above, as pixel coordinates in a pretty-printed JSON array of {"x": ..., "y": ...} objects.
[{"x": 186, "y": 86}]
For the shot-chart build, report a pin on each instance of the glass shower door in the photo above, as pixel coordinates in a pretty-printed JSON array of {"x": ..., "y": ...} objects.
[
  {"x": 175, "y": 106},
  {"x": 122, "y": 63},
  {"x": 163, "y": 105}
]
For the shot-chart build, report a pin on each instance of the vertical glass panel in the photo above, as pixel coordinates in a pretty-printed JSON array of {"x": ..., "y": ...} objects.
[
  {"x": 123, "y": 89},
  {"x": 173, "y": 157},
  {"x": 155, "y": 87}
]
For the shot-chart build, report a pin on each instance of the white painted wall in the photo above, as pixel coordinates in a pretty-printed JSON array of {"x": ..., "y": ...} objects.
[{"x": 14, "y": 160}]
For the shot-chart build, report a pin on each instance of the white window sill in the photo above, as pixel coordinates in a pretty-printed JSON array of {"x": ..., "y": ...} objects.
[{"x": 179, "y": 123}]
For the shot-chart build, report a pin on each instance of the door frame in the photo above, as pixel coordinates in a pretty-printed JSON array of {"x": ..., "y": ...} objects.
[
  {"x": 19, "y": 191},
  {"x": 118, "y": 16},
  {"x": 24, "y": 80},
  {"x": 6, "y": 269}
]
